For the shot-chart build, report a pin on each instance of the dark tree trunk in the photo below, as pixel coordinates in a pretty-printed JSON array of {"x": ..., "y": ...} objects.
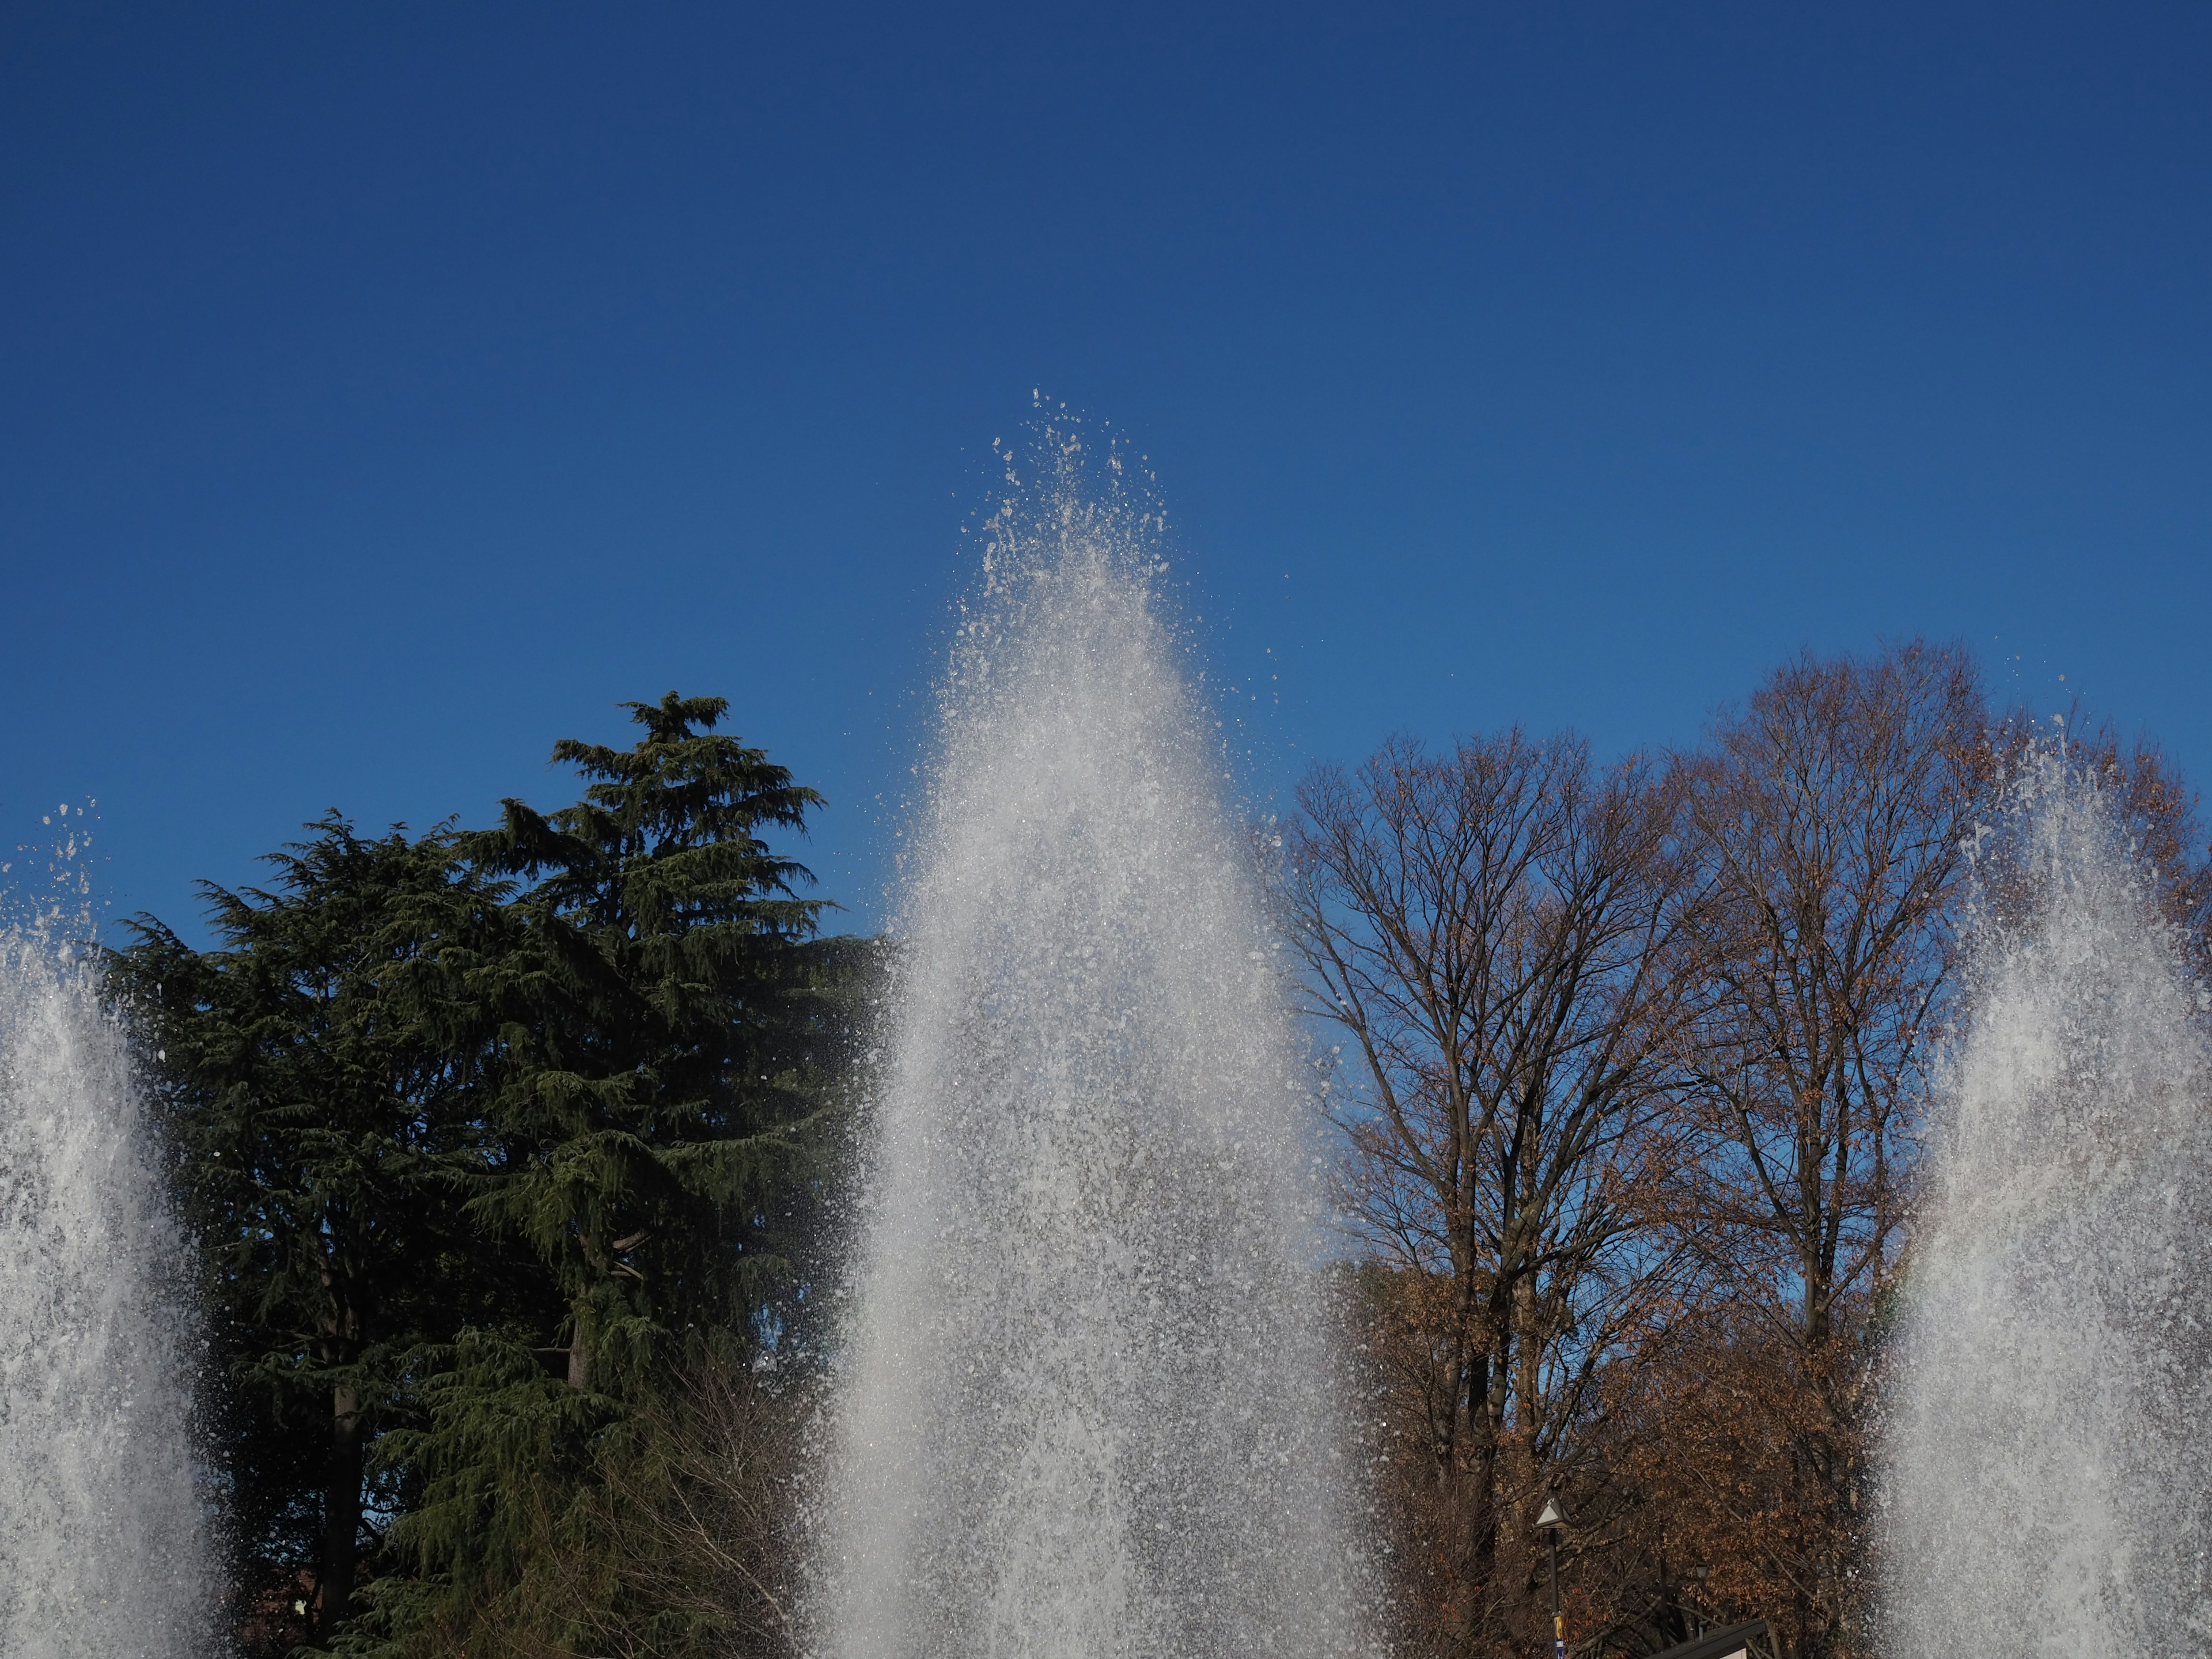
[
  {"x": 340, "y": 1514},
  {"x": 1476, "y": 1509}
]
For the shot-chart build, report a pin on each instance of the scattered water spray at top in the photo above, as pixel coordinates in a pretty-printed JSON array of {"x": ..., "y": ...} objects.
[{"x": 1088, "y": 1400}]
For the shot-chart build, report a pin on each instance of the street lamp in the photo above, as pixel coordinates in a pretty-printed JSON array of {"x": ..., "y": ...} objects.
[{"x": 1554, "y": 1520}]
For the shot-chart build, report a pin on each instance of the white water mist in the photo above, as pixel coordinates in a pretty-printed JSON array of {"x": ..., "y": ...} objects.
[
  {"x": 101, "y": 1537},
  {"x": 2048, "y": 1466},
  {"x": 1089, "y": 1403}
]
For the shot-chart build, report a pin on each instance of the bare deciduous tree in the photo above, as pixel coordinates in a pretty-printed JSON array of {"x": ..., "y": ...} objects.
[
  {"x": 1488, "y": 929},
  {"x": 1830, "y": 816}
]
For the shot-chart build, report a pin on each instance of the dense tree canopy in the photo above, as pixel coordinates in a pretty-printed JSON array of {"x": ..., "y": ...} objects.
[
  {"x": 329, "y": 1140},
  {"x": 490, "y": 1138}
]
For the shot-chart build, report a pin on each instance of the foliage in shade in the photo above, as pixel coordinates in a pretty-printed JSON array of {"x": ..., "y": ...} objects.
[
  {"x": 640, "y": 1001},
  {"x": 327, "y": 1143},
  {"x": 647, "y": 969},
  {"x": 492, "y": 1137}
]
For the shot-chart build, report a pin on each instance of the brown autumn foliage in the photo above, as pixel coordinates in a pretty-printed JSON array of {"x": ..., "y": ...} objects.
[
  {"x": 1630, "y": 1067},
  {"x": 1832, "y": 816},
  {"x": 1724, "y": 1456}
]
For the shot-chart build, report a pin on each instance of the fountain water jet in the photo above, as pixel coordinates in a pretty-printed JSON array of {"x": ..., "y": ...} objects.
[
  {"x": 2048, "y": 1465},
  {"x": 1089, "y": 1402},
  {"x": 101, "y": 1553}
]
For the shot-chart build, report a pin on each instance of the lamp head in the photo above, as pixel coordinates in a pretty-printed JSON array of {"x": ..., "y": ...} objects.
[{"x": 1553, "y": 1515}]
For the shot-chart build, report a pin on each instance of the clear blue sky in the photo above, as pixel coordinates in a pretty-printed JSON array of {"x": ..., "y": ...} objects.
[{"x": 388, "y": 390}]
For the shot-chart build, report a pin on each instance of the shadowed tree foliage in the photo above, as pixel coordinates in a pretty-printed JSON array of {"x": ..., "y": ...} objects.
[
  {"x": 679, "y": 1538},
  {"x": 640, "y": 1009},
  {"x": 328, "y": 1142},
  {"x": 506, "y": 1152},
  {"x": 645, "y": 1005}
]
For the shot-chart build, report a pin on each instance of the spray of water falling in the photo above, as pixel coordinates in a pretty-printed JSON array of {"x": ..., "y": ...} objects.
[
  {"x": 1088, "y": 1406},
  {"x": 100, "y": 1534},
  {"x": 2048, "y": 1461}
]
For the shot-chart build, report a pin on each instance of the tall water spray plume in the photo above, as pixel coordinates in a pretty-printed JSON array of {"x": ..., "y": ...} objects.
[
  {"x": 1089, "y": 1401},
  {"x": 100, "y": 1533},
  {"x": 2049, "y": 1450}
]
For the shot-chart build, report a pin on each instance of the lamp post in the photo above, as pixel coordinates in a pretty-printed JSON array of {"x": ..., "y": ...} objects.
[{"x": 1554, "y": 1521}]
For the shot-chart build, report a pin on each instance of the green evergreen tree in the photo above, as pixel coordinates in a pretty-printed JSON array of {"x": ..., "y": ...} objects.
[
  {"x": 326, "y": 1144},
  {"x": 641, "y": 1002},
  {"x": 647, "y": 1132}
]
